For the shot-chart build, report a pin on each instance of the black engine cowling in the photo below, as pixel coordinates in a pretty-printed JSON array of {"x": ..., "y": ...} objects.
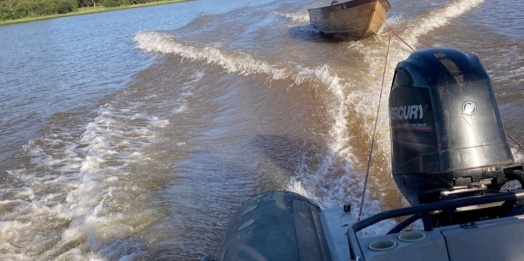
[{"x": 446, "y": 130}]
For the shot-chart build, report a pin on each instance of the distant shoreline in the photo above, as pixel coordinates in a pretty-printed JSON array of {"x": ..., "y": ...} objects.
[{"x": 87, "y": 10}]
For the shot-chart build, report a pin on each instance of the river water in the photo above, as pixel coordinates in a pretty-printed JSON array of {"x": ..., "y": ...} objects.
[{"x": 135, "y": 134}]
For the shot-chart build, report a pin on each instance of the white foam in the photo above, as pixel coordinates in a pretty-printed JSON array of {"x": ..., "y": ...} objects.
[
  {"x": 518, "y": 155},
  {"x": 91, "y": 221},
  {"x": 243, "y": 64},
  {"x": 299, "y": 17},
  {"x": 25, "y": 194},
  {"x": 436, "y": 18},
  {"x": 180, "y": 109},
  {"x": 335, "y": 182},
  {"x": 67, "y": 179},
  {"x": 121, "y": 250}
]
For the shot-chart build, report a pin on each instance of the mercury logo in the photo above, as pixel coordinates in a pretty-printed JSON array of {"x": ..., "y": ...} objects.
[
  {"x": 469, "y": 108},
  {"x": 407, "y": 112}
]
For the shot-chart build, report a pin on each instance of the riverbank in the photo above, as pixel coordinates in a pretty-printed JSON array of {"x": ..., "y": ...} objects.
[{"x": 87, "y": 10}]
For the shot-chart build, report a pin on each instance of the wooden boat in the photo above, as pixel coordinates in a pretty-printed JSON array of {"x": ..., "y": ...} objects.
[{"x": 357, "y": 18}]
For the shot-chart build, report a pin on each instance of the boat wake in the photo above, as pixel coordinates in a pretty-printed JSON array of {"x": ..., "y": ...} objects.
[
  {"x": 79, "y": 178},
  {"x": 340, "y": 181},
  {"x": 242, "y": 64},
  {"x": 438, "y": 17}
]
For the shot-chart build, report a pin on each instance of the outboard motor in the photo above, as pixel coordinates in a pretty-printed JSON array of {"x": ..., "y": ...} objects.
[{"x": 446, "y": 132}]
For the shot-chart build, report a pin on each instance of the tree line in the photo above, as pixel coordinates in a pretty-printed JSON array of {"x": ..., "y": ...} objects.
[{"x": 16, "y": 9}]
